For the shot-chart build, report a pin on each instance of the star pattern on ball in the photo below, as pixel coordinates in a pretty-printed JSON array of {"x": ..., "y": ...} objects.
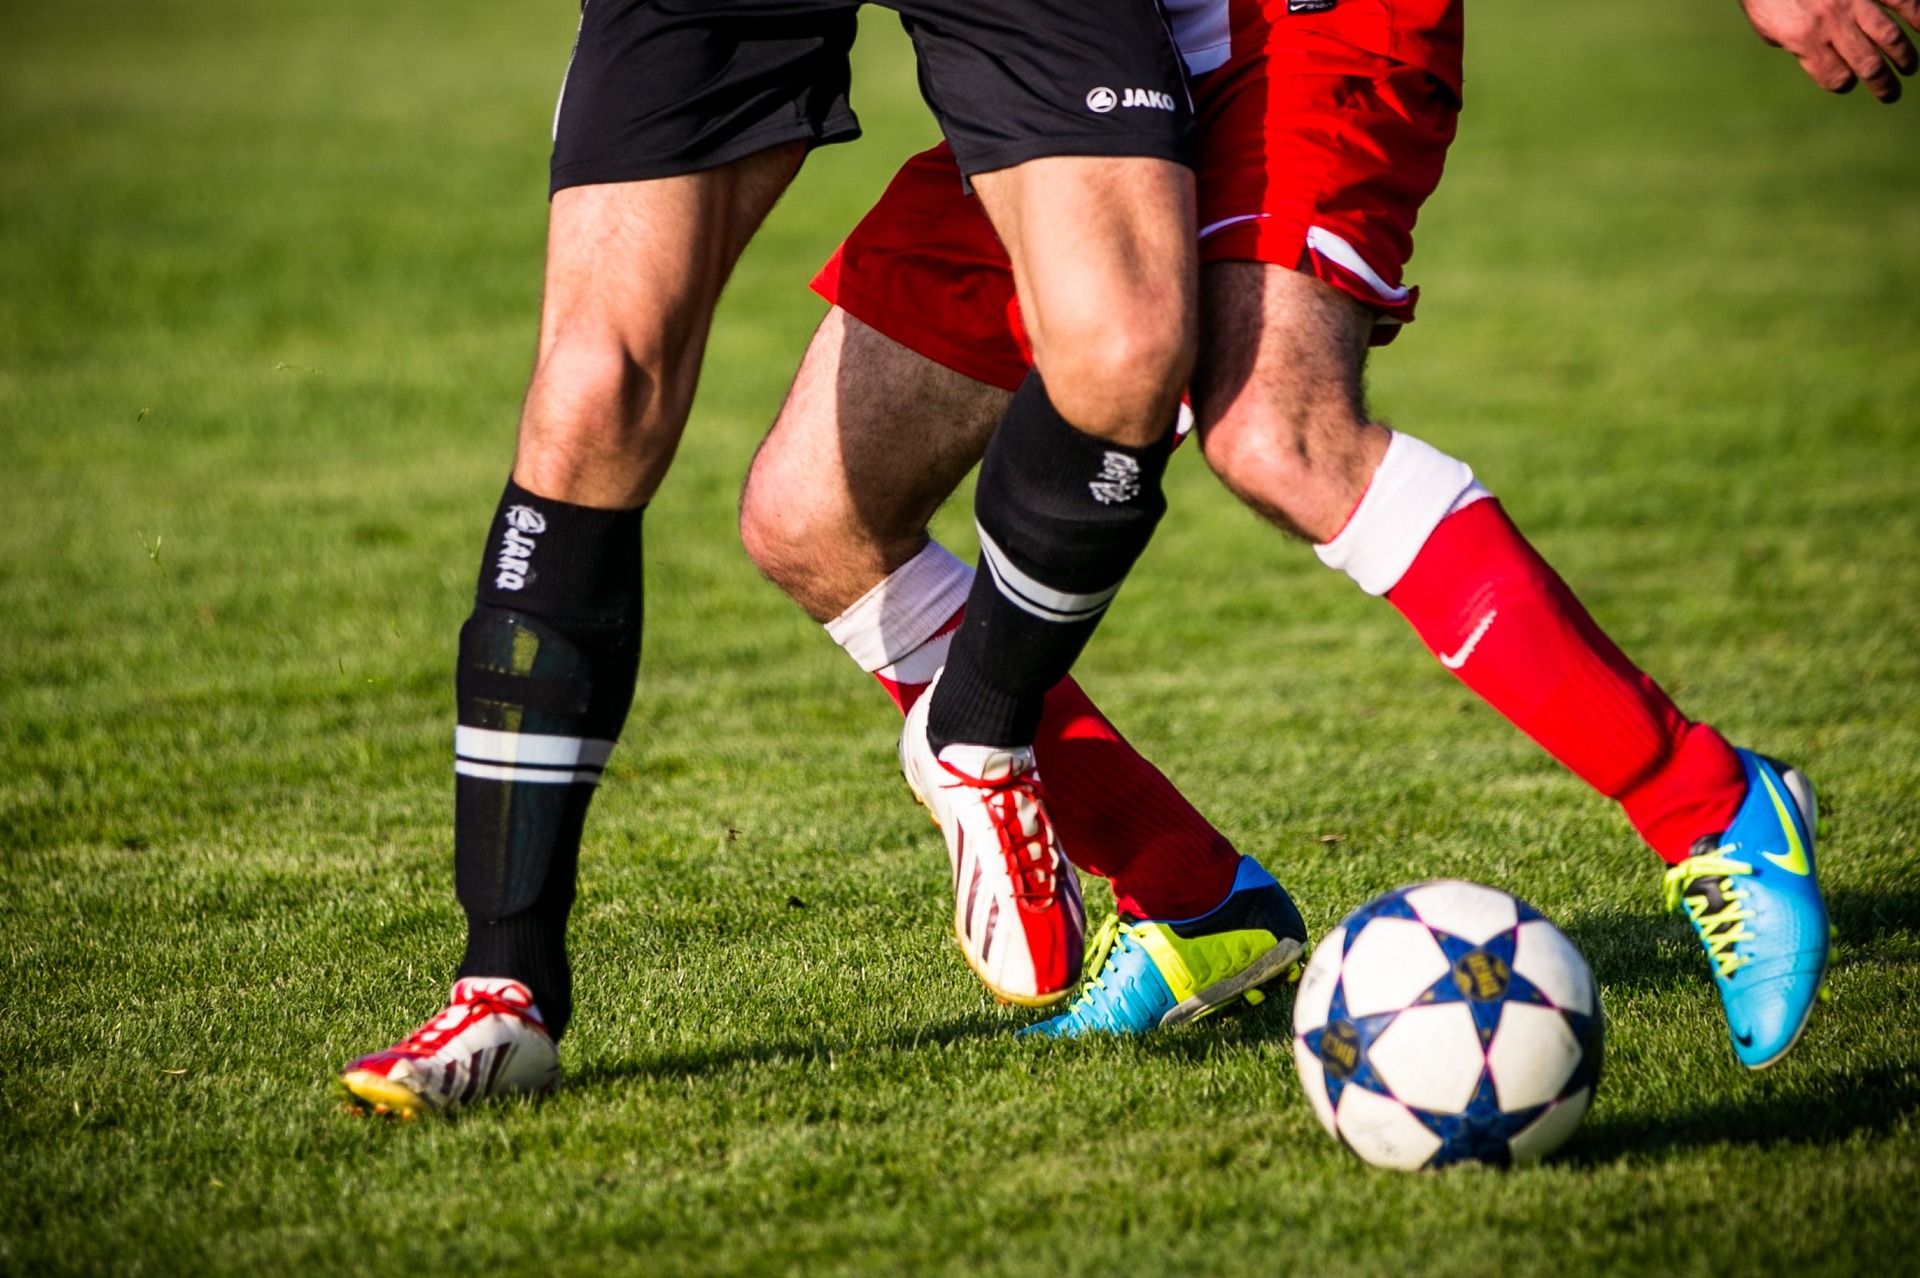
[{"x": 1483, "y": 979}]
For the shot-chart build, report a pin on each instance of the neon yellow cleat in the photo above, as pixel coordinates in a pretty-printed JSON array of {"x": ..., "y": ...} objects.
[{"x": 1145, "y": 974}]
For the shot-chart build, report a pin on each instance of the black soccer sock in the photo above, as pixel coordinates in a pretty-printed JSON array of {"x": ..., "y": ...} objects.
[
  {"x": 547, "y": 667},
  {"x": 1062, "y": 516}
]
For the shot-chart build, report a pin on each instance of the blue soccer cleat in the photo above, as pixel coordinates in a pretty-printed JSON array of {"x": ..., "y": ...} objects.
[
  {"x": 1752, "y": 897},
  {"x": 1146, "y": 974}
]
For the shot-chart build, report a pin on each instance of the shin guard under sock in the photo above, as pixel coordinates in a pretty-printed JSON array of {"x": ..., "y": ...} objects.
[
  {"x": 1062, "y": 517},
  {"x": 1116, "y": 814},
  {"x": 547, "y": 668}
]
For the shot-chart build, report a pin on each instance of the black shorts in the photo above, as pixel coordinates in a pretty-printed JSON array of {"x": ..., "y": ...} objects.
[{"x": 659, "y": 88}]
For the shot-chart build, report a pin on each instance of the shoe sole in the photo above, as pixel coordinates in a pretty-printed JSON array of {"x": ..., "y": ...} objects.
[
  {"x": 1007, "y": 996},
  {"x": 1270, "y": 967},
  {"x": 1780, "y": 1055},
  {"x": 367, "y": 1090}
]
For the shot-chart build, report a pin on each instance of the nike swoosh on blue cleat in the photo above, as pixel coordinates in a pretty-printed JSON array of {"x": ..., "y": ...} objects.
[
  {"x": 1754, "y": 901},
  {"x": 1147, "y": 974}
]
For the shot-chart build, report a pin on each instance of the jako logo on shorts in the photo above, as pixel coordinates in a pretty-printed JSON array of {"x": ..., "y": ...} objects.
[
  {"x": 1102, "y": 100},
  {"x": 1152, "y": 99},
  {"x": 524, "y": 523}
]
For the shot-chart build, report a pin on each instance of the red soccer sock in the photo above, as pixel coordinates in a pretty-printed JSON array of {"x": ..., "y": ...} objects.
[
  {"x": 1116, "y": 814},
  {"x": 1499, "y": 617}
]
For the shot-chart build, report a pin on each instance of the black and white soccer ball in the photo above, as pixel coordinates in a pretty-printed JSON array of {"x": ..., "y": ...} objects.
[{"x": 1448, "y": 1022}]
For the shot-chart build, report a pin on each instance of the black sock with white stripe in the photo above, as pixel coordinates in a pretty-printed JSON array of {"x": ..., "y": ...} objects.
[
  {"x": 547, "y": 667},
  {"x": 1062, "y": 516}
]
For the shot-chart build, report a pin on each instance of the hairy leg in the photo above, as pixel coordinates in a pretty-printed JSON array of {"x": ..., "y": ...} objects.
[
  {"x": 871, "y": 440},
  {"x": 1278, "y": 396}
]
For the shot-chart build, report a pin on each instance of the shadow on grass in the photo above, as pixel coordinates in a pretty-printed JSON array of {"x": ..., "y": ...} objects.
[
  {"x": 1269, "y": 1023},
  {"x": 1862, "y": 918},
  {"x": 1874, "y": 1102},
  {"x": 1627, "y": 949},
  {"x": 701, "y": 1063},
  {"x": 1630, "y": 950}
]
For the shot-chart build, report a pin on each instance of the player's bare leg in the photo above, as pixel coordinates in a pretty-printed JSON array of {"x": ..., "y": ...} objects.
[
  {"x": 633, "y": 272},
  {"x": 548, "y": 658},
  {"x": 1279, "y": 409},
  {"x": 872, "y": 438},
  {"x": 1068, "y": 496},
  {"x": 1282, "y": 420},
  {"x": 1103, "y": 255},
  {"x": 1278, "y": 396}
]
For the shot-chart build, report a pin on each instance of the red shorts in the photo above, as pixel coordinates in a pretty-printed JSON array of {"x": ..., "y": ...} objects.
[{"x": 1315, "y": 157}]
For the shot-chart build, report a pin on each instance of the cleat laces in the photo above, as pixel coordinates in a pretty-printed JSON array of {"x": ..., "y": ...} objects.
[
  {"x": 1028, "y": 853},
  {"x": 1704, "y": 885},
  {"x": 1103, "y": 957},
  {"x": 432, "y": 1036}
]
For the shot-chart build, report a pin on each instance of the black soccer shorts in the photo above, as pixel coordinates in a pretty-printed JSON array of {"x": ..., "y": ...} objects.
[{"x": 659, "y": 88}]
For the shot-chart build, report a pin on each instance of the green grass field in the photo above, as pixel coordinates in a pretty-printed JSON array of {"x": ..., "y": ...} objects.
[{"x": 268, "y": 281}]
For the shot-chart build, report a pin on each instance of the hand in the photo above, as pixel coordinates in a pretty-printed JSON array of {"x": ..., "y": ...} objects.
[{"x": 1841, "y": 43}]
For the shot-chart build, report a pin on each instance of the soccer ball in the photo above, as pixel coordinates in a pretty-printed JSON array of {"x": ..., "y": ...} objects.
[{"x": 1448, "y": 1022}]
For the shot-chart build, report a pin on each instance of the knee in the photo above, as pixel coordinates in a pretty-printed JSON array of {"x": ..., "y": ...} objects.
[
  {"x": 594, "y": 383},
  {"x": 813, "y": 547},
  {"x": 602, "y": 372},
  {"x": 792, "y": 529},
  {"x": 1115, "y": 368},
  {"x": 774, "y": 529},
  {"x": 1299, "y": 464}
]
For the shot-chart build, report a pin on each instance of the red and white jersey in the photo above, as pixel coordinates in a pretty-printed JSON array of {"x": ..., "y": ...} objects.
[{"x": 1419, "y": 33}]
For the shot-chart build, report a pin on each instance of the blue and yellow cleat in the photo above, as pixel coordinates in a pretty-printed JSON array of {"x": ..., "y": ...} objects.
[
  {"x": 1756, "y": 905},
  {"x": 1146, "y": 974}
]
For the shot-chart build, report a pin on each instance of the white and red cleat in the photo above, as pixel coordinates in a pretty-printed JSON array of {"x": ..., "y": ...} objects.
[
  {"x": 1016, "y": 907},
  {"x": 489, "y": 1041}
]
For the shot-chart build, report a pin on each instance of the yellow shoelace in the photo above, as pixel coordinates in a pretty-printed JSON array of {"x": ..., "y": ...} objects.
[
  {"x": 1722, "y": 929},
  {"x": 1093, "y": 974}
]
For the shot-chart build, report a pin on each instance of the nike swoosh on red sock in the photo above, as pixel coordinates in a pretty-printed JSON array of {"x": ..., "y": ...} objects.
[{"x": 1454, "y": 660}]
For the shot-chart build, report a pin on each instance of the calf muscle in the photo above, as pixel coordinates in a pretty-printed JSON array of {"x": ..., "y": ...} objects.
[
  {"x": 871, "y": 440},
  {"x": 1278, "y": 395}
]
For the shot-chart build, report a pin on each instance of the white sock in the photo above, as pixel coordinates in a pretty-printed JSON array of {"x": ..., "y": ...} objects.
[
  {"x": 1413, "y": 489},
  {"x": 900, "y": 629}
]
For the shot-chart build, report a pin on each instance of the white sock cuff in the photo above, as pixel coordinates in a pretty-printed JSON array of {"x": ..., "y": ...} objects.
[
  {"x": 1415, "y": 487},
  {"x": 900, "y": 614}
]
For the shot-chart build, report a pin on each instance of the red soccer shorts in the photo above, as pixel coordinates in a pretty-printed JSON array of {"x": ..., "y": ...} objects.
[{"x": 1313, "y": 157}]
